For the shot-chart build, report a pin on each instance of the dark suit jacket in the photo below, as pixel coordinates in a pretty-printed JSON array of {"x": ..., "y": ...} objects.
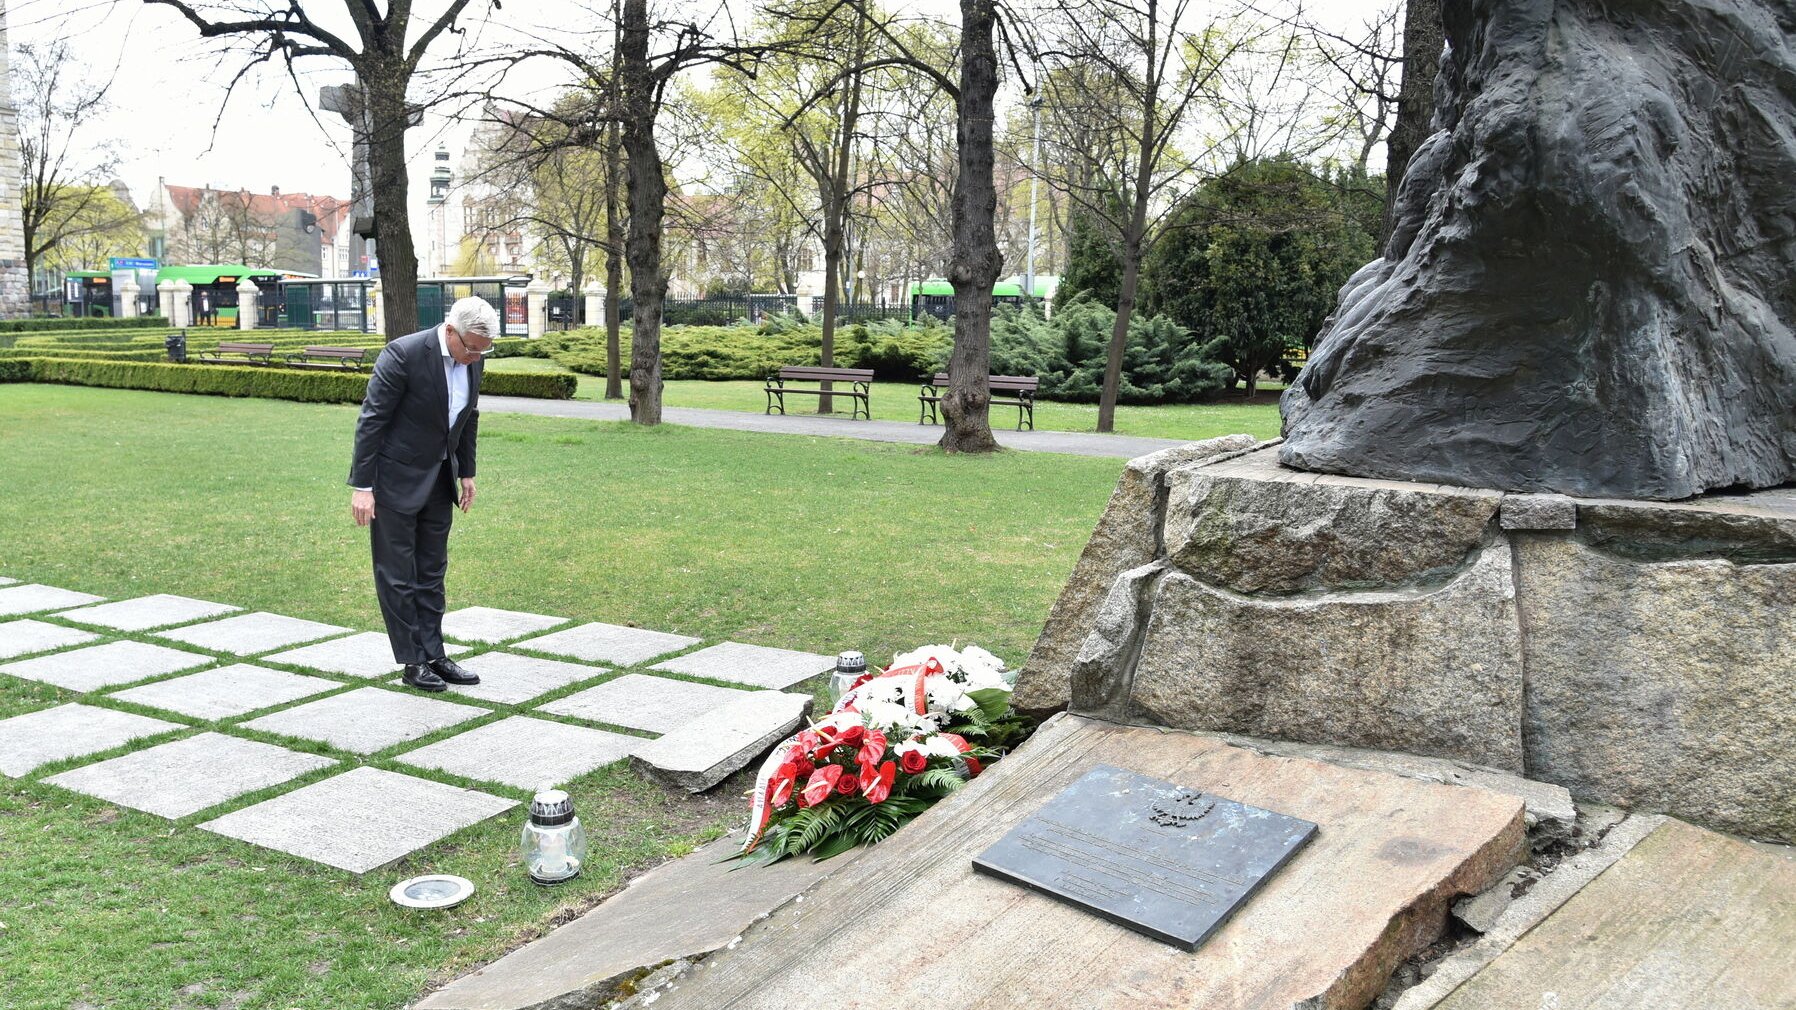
[{"x": 404, "y": 431}]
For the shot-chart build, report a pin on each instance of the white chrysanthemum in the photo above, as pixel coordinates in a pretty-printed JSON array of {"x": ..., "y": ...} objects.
[{"x": 894, "y": 719}]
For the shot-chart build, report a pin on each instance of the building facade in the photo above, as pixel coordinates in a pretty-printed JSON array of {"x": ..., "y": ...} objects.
[
  {"x": 15, "y": 285},
  {"x": 296, "y": 232}
]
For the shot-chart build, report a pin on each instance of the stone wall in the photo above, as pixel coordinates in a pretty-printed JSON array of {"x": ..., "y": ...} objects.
[
  {"x": 15, "y": 285},
  {"x": 1639, "y": 653}
]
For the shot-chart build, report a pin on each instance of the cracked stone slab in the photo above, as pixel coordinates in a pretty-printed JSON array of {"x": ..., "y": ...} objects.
[
  {"x": 186, "y": 776},
  {"x": 35, "y": 739},
  {"x": 24, "y": 637},
  {"x": 96, "y": 666},
  {"x": 640, "y": 701},
  {"x": 489, "y": 625},
  {"x": 228, "y": 691},
  {"x": 361, "y": 820},
  {"x": 366, "y": 720},
  {"x": 712, "y": 746},
  {"x": 249, "y": 634},
  {"x": 369, "y": 654},
  {"x": 609, "y": 643},
  {"x": 32, "y": 598},
  {"x": 146, "y": 612},
  {"x": 754, "y": 665},
  {"x": 508, "y": 679},
  {"x": 524, "y": 752}
]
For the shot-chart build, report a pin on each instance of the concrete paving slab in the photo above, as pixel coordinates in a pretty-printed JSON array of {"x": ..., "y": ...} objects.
[
  {"x": 609, "y": 643},
  {"x": 35, "y": 739},
  {"x": 227, "y": 692},
  {"x": 1323, "y": 933},
  {"x": 113, "y": 663},
  {"x": 507, "y": 679},
  {"x": 186, "y": 776},
  {"x": 709, "y": 748},
  {"x": 681, "y": 909},
  {"x": 639, "y": 701},
  {"x": 754, "y": 665},
  {"x": 360, "y": 820},
  {"x": 24, "y": 637},
  {"x": 32, "y": 598},
  {"x": 146, "y": 612},
  {"x": 489, "y": 625},
  {"x": 369, "y": 654},
  {"x": 366, "y": 720},
  {"x": 1687, "y": 918},
  {"x": 4, "y": 581},
  {"x": 250, "y": 634},
  {"x": 524, "y": 752}
]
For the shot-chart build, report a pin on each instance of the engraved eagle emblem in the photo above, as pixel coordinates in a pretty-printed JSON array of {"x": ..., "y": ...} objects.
[{"x": 1182, "y": 810}]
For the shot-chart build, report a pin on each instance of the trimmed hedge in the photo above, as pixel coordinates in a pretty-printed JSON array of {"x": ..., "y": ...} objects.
[
  {"x": 229, "y": 380},
  {"x": 895, "y": 351},
  {"x": 126, "y": 353},
  {"x": 81, "y": 323}
]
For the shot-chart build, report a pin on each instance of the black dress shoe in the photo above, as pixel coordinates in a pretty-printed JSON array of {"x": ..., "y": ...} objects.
[
  {"x": 452, "y": 672},
  {"x": 422, "y": 677}
]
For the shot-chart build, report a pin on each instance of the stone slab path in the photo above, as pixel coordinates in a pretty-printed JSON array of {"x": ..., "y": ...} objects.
[
  {"x": 35, "y": 739},
  {"x": 654, "y": 920},
  {"x": 186, "y": 776},
  {"x": 711, "y": 747},
  {"x": 754, "y": 665},
  {"x": 250, "y": 634},
  {"x": 226, "y": 692},
  {"x": 369, "y": 654},
  {"x": 489, "y": 626},
  {"x": 146, "y": 612},
  {"x": 367, "y": 720},
  {"x": 525, "y": 753},
  {"x": 361, "y": 820},
  {"x": 637, "y": 701},
  {"x": 96, "y": 666},
  {"x": 508, "y": 679},
  {"x": 609, "y": 643},
  {"x": 1069, "y": 442},
  {"x": 24, "y": 637},
  {"x": 32, "y": 599}
]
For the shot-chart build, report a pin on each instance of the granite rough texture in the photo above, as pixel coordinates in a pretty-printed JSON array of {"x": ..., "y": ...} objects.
[
  {"x": 35, "y": 739},
  {"x": 640, "y": 701},
  {"x": 489, "y": 625},
  {"x": 146, "y": 612},
  {"x": 95, "y": 666},
  {"x": 1433, "y": 672},
  {"x": 724, "y": 740},
  {"x": 524, "y": 752},
  {"x": 754, "y": 665},
  {"x": 25, "y": 636},
  {"x": 507, "y": 679},
  {"x": 32, "y": 598},
  {"x": 186, "y": 776},
  {"x": 1538, "y": 512},
  {"x": 227, "y": 691},
  {"x": 1685, "y": 702},
  {"x": 360, "y": 820},
  {"x": 249, "y": 634},
  {"x": 1125, "y": 538},
  {"x": 366, "y": 720},
  {"x": 1593, "y": 249},
  {"x": 608, "y": 643},
  {"x": 369, "y": 654}
]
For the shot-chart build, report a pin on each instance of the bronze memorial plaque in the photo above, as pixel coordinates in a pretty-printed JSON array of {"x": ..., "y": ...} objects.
[{"x": 1162, "y": 859}]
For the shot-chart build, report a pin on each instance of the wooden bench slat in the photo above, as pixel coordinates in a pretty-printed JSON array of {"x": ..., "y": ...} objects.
[
  {"x": 1024, "y": 388},
  {"x": 813, "y": 373}
]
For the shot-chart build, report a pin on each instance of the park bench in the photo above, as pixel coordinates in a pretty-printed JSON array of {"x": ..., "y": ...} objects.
[
  {"x": 1022, "y": 390},
  {"x": 860, "y": 382},
  {"x": 350, "y": 359},
  {"x": 254, "y": 354}
]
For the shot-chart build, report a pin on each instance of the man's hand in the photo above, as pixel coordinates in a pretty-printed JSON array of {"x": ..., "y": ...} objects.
[
  {"x": 467, "y": 493},
  {"x": 361, "y": 506}
]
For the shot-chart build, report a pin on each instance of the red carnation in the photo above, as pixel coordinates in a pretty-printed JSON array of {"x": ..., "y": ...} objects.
[{"x": 914, "y": 761}]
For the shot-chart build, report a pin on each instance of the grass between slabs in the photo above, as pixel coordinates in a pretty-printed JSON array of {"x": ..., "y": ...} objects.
[{"x": 799, "y": 542}]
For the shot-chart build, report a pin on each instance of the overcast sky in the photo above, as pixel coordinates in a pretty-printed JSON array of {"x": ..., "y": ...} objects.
[{"x": 170, "y": 83}]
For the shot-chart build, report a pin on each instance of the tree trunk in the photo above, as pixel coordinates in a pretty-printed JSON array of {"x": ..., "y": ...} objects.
[
  {"x": 614, "y": 267},
  {"x": 832, "y": 271},
  {"x": 383, "y": 88},
  {"x": 1423, "y": 37},
  {"x": 647, "y": 187},
  {"x": 966, "y": 406},
  {"x": 1119, "y": 337}
]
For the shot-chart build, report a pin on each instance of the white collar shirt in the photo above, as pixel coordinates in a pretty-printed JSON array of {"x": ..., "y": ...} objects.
[{"x": 455, "y": 376}]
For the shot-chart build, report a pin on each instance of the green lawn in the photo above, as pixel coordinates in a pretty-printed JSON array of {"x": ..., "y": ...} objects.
[
  {"x": 811, "y": 543},
  {"x": 897, "y": 401}
]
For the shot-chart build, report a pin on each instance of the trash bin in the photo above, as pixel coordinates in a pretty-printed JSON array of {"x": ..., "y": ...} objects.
[{"x": 177, "y": 347}]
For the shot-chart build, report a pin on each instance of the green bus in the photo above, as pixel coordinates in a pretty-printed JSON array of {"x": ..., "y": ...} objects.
[
  {"x": 936, "y": 297},
  {"x": 87, "y": 293},
  {"x": 215, "y": 290}
]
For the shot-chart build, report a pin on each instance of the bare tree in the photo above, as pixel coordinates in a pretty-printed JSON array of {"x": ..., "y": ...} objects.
[{"x": 386, "y": 54}]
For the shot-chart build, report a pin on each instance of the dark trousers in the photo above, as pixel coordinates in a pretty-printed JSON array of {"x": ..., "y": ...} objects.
[{"x": 411, "y": 556}]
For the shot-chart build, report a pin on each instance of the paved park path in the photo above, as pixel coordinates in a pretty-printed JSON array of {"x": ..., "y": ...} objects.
[{"x": 1075, "y": 443}]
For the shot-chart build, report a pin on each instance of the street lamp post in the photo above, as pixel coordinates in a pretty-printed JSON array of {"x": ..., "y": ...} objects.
[{"x": 1034, "y": 177}]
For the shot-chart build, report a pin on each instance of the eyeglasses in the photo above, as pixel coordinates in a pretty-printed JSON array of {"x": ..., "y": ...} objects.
[{"x": 463, "y": 341}]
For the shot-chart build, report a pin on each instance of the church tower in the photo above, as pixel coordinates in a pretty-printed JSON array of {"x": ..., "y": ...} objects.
[{"x": 437, "y": 264}]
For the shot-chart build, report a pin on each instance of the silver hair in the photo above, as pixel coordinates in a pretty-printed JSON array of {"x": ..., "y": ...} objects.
[{"x": 474, "y": 317}]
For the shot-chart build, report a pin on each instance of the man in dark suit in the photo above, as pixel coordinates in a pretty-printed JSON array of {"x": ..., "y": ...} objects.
[{"x": 413, "y": 464}]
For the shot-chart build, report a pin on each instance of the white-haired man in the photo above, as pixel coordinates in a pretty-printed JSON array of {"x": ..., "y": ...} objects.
[{"x": 413, "y": 464}]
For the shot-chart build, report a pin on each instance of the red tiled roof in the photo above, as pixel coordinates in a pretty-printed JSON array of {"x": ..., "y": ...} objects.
[{"x": 331, "y": 211}]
